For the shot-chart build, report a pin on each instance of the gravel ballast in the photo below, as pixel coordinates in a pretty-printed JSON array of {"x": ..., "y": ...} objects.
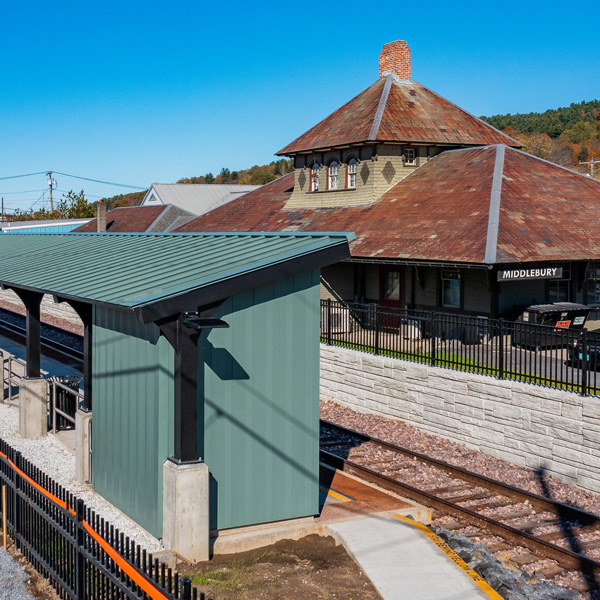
[
  {"x": 12, "y": 579},
  {"x": 53, "y": 459}
]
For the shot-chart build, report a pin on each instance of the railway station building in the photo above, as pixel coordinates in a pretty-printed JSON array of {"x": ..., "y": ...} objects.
[
  {"x": 449, "y": 214},
  {"x": 201, "y": 371}
]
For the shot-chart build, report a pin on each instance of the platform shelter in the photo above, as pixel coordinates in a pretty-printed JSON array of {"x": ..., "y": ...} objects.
[{"x": 201, "y": 370}]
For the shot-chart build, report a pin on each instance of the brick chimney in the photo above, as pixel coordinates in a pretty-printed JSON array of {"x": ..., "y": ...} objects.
[
  {"x": 395, "y": 58},
  {"x": 101, "y": 216}
]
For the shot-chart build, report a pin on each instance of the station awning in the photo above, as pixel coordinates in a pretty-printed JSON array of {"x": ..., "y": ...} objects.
[{"x": 156, "y": 275}]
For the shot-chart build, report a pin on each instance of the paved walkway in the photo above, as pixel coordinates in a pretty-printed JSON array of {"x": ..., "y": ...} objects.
[{"x": 403, "y": 562}]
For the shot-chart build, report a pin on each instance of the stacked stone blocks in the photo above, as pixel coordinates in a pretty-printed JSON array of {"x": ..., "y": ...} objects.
[{"x": 518, "y": 422}]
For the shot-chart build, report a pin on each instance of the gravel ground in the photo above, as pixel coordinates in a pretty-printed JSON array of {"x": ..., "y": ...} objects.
[
  {"x": 45, "y": 317},
  {"x": 72, "y": 340},
  {"x": 49, "y": 455},
  {"x": 402, "y": 434},
  {"x": 12, "y": 579}
]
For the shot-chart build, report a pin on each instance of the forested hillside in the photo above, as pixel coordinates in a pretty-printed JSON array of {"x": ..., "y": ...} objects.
[
  {"x": 256, "y": 175},
  {"x": 567, "y": 136}
]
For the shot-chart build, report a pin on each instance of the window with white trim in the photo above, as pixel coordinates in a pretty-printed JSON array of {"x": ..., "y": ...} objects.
[
  {"x": 352, "y": 170},
  {"x": 315, "y": 171},
  {"x": 334, "y": 172},
  {"x": 410, "y": 157}
]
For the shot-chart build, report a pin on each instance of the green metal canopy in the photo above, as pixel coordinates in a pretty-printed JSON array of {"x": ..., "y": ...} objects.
[{"x": 155, "y": 274}]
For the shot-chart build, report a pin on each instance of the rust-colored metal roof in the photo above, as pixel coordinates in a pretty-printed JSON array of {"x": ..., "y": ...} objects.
[
  {"x": 127, "y": 219},
  {"x": 479, "y": 205},
  {"x": 392, "y": 110}
]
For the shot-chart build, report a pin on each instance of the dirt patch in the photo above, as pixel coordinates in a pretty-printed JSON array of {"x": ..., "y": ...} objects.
[{"x": 313, "y": 567}]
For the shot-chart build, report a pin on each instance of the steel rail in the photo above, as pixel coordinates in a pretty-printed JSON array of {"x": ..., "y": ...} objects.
[
  {"x": 566, "y": 511},
  {"x": 18, "y": 331},
  {"x": 565, "y": 557}
]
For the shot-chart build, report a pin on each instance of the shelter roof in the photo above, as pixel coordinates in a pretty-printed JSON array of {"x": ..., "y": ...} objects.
[
  {"x": 196, "y": 198},
  {"x": 485, "y": 205},
  {"x": 154, "y": 273},
  {"x": 399, "y": 111},
  {"x": 138, "y": 219}
]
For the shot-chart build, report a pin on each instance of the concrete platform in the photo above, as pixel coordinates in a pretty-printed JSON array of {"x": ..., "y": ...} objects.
[
  {"x": 343, "y": 498},
  {"x": 403, "y": 562}
]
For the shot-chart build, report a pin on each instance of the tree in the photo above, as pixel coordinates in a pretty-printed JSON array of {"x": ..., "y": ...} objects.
[
  {"x": 209, "y": 178},
  {"x": 74, "y": 206},
  {"x": 583, "y": 154}
]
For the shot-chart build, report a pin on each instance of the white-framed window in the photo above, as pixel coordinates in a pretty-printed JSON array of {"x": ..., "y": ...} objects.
[
  {"x": 315, "y": 172},
  {"x": 451, "y": 288},
  {"x": 334, "y": 173},
  {"x": 410, "y": 157},
  {"x": 352, "y": 170}
]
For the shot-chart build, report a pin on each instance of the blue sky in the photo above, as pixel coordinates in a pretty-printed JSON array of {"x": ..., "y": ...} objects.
[{"x": 136, "y": 92}]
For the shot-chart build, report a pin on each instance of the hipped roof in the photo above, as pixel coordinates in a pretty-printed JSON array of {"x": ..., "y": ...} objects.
[
  {"x": 397, "y": 111},
  {"x": 150, "y": 273},
  {"x": 483, "y": 205}
]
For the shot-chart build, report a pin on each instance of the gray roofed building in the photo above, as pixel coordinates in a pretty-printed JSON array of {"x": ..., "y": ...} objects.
[{"x": 197, "y": 198}]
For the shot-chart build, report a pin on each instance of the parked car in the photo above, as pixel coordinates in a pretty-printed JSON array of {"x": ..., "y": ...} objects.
[
  {"x": 575, "y": 354},
  {"x": 557, "y": 318}
]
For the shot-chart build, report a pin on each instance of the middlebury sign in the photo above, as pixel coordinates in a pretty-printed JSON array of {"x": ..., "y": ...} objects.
[{"x": 537, "y": 273}]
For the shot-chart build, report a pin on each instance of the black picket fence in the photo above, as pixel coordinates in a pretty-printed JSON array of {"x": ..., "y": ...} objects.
[
  {"x": 537, "y": 354},
  {"x": 82, "y": 555}
]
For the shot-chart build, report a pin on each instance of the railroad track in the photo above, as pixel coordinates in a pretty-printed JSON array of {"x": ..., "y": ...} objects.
[
  {"x": 18, "y": 333},
  {"x": 546, "y": 528}
]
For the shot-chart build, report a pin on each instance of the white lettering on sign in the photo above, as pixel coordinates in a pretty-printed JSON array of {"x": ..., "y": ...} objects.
[{"x": 539, "y": 273}]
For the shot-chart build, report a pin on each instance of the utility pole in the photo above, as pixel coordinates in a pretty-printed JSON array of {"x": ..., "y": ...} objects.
[
  {"x": 592, "y": 163},
  {"x": 3, "y": 209},
  {"x": 51, "y": 185}
]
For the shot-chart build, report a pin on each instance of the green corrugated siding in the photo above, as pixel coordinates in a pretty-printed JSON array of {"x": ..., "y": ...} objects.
[
  {"x": 132, "y": 416},
  {"x": 262, "y": 405}
]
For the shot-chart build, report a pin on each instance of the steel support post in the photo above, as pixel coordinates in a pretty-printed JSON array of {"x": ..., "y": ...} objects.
[{"x": 33, "y": 352}]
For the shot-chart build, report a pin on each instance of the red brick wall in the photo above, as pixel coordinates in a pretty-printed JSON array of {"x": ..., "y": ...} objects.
[{"x": 395, "y": 57}]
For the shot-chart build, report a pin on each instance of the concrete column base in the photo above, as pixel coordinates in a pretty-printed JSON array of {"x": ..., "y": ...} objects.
[
  {"x": 33, "y": 408},
  {"x": 83, "y": 446},
  {"x": 186, "y": 510}
]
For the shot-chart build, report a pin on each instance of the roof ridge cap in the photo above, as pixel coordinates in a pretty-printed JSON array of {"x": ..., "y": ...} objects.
[
  {"x": 491, "y": 244},
  {"x": 389, "y": 79},
  {"x": 470, "y": 114},
  {"x": 553, "y": 164}
]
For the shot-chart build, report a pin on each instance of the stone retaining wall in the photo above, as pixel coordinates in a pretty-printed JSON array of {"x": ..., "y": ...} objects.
[
  {"x": 524, "y": 424},
  {"x": 60, "y": 310}
]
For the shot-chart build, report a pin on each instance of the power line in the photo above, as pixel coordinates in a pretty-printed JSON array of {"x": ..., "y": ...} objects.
[
  {"x": 19, "y": 176},
  {"x": 133, "y": 187},
  {"x": 23, "y": 192}
]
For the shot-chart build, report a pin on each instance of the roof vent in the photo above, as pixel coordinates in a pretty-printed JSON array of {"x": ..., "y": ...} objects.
[{"x": 395, "y": 59}]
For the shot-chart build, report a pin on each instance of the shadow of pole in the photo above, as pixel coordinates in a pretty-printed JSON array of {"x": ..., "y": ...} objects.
[{"x": 565, "y": 524}]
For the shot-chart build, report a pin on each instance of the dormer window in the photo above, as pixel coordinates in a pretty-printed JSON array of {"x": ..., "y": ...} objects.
[
  {"x": 314, "y": 177},
  {"x": 352, "y": 170},
  {"x": 410, "y": 157},
  {"x": 334, "y": 172}
]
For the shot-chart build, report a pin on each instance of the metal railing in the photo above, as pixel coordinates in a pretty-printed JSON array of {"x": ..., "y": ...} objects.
[
  {"x": 536, "y": 354},
  {"x": 64, "y": 401},
  {"x": 83, "y": 556},
  {"x": 13, "y": 372}
]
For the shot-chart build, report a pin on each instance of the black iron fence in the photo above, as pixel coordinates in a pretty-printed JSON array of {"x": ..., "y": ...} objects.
[
  {"x": 537, "y": 354},
  {"x": 83, "y": 556}
]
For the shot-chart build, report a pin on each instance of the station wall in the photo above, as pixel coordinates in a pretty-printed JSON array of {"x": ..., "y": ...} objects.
[
  {"x": 261, "y": 421},
  {"x": 132, "y": 376},
  {"x": 524, "y": 424}
]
